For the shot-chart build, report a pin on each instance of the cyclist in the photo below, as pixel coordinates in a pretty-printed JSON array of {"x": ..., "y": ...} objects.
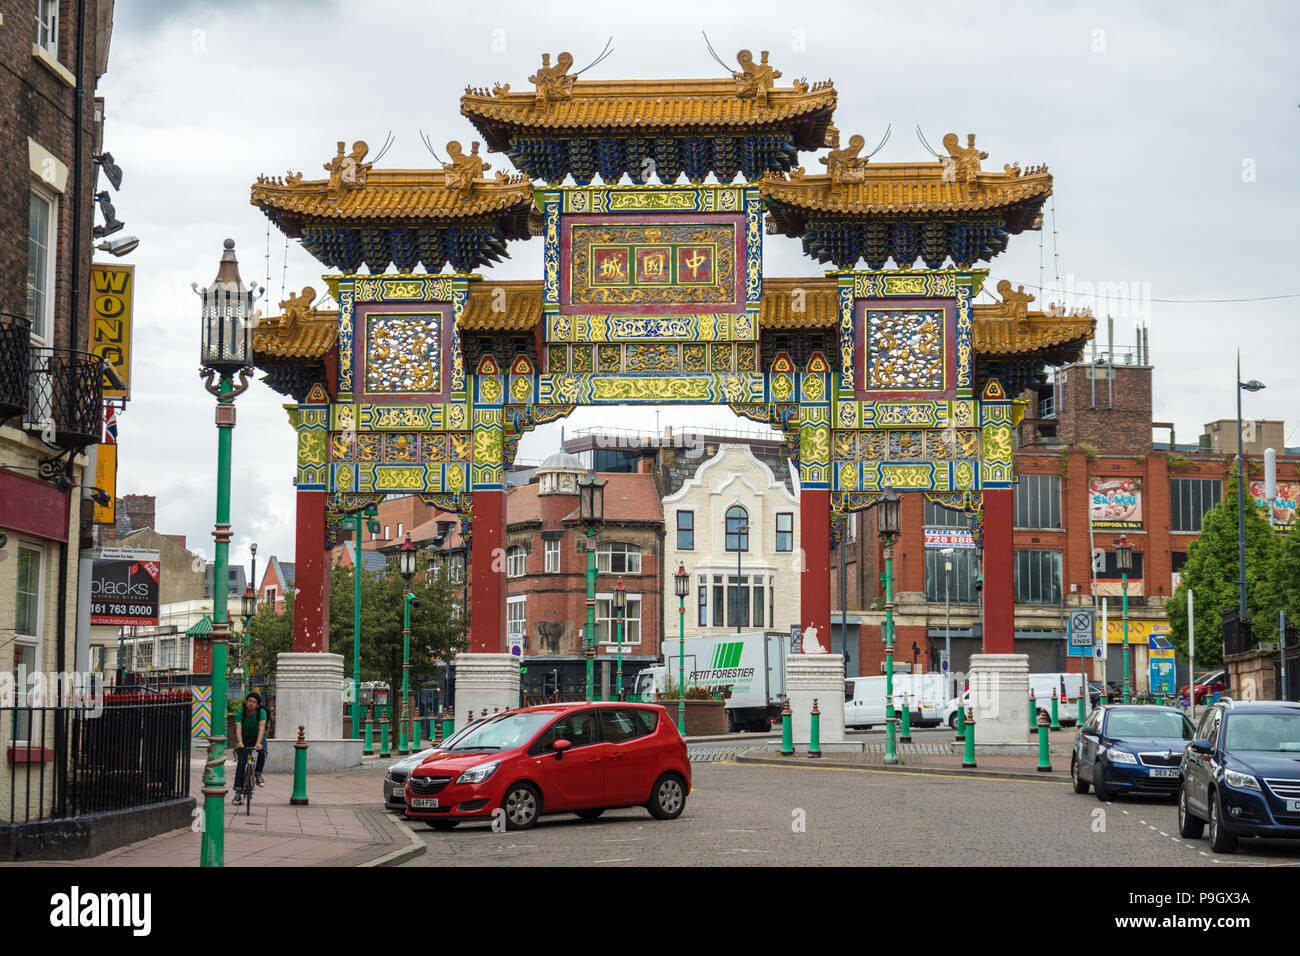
[{"x": 251, "y": 726}]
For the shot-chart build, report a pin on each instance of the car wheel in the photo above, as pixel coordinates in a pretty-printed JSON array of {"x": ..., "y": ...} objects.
[
  {"x": 668, "y": 798},
  {"x": 442, "y": 825},
  {"x": 522, "y": 806},
  {"x": 1080, "y": 786},
  {"x": 952, "y": 720},
  {"x": 590, "y": 814},
  {"x": 1099, "y": 783},
  {"x": 1189, "y": 827},
  {"x": 1221, "y": 841}
]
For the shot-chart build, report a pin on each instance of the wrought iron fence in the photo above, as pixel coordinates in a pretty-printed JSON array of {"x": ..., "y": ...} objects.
[
  {"x": 15, "y": 351},
  {"x": 66, "y": 396},
  {"x": 115, "y": 753}
]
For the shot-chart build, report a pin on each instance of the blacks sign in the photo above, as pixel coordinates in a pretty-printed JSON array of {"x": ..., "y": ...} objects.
[{"x": 124, "y": 587}]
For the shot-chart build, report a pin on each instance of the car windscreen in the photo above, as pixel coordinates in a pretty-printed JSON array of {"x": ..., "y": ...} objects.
[
  {"x": 503, "y": 733},
  {"x": 1263, "y": 732},
  {"x": 1146, "y": 724}
]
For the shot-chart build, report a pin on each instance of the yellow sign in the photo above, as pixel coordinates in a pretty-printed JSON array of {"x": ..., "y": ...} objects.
[
  {"x": 113, "y": 289},
  {"x": 1138, "y": 631},
  {"x": 106, "y": 480}
]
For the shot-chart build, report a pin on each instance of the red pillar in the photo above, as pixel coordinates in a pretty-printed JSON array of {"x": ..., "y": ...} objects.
[
  {"x": 311, "y": 605},
  {"x": 999, "y": 580},
  {"x": 487, "y": 623},
  {"x": 815, "y": 584}
]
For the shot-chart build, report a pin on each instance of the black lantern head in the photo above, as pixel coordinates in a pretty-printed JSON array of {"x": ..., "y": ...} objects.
[
  {"x": 620, "y": 598},
  {"x": 249, "y": 603},
  {"x": 682, "y": 580},
  {"x": 888, "y": 511},
  {"x": 226, "y": 343},
  {"x": 591, "y": 491},
  {"x": 1124, "y": 554},
  {"x": 406, "y": 558}
]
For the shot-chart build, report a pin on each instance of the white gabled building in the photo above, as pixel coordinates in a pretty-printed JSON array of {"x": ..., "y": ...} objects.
[{"x": 733, "y": 507}]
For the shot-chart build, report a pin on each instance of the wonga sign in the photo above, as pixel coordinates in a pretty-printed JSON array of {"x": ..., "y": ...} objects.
[{"x": 124, "y": 587}]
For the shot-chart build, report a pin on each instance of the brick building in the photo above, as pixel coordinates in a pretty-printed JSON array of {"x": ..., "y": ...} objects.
[
  {"x": 546, "y": 583},
  {"x": 1088, "y": 472}
]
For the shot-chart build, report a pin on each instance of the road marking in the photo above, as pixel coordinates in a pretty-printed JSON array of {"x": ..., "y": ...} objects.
[
  {"x": 899, "y": 773},
  {"x": 621, "y": 859},
  {"x": 1164, "y": 834},
  {"x": 626, "y": 840}
]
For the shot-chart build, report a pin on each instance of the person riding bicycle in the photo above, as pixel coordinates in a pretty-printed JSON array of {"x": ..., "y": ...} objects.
[{"x": 251, "y": 726}]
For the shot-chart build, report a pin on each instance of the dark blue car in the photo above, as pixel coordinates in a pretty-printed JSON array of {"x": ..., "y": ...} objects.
[
  {"x": 1242, "y": 774},
  {"x": 1129, "y": 748}
]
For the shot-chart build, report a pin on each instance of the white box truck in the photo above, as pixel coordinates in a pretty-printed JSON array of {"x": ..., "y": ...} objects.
[
  {"x": 748, "y": 669},
  {"x": 864, "y": 699}
]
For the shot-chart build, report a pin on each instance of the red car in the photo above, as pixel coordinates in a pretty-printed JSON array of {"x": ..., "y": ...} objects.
[
  {"x": 1206, "y": 684},
  {"x": 555, "y": 758}
]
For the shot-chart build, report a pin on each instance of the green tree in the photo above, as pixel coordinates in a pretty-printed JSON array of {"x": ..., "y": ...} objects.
[
  {"x": 270, "y": 634},
  {"x": 1211, "y": 574},
  {"x": 1281, "y": 590}
]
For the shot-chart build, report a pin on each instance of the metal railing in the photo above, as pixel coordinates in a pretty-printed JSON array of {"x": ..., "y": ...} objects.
[
  {"x": 15, "y": 353},
  {"x": 66, "y": 396},
  {"x": 117, "y": 752}
]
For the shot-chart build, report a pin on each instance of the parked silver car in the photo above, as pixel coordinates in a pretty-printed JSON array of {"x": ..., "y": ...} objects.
[{"x": 395, "y": 779}]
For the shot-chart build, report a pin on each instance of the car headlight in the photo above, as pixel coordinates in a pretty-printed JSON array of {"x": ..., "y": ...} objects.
[
  {"x": 1242, "y": 781},
  {"x": 1120, "y": 756},
  {"x": 480, "y": 773}
]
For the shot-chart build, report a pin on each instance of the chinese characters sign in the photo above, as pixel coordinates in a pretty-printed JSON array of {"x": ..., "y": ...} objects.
[{"x": 1115, "y": 503}]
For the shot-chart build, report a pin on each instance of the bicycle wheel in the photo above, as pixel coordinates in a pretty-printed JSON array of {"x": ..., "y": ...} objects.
[{"x": 248, "y": 786}]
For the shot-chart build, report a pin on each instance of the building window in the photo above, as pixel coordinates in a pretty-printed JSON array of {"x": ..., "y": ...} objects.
[
  {"x": 785, "y": 531},
  {"x": 746, "y": 601},
  {"x": 399, "y": 529},
  {"x": 515, "y": 558},
  {"x": 27, "y": 630},
  {"x": 737, "y": 529},
  {"x": 1038, "y": 577},
  {"x": 704, "y": 603},
  {"x": 606, "y": 620},
  {"x": 516, "y": 611},
  {"x": 759, "y": 604},
  {"x": 1190, "y": 499},
  {"x": 552, "y": 546},
  {"x": 686, "y": 531},
  {"x": 618, "y": 557},
  {"x": 270, "y": 596},
  {"x": 719, "y": 602},
  {"x": 851, "y": 526},
  {"x": 1038, "y": 502},
  {"x": 386, "y": 535},
  {"x": 937, "y": 516},
  {"x": 458, "y": 569},
  {"x": 167, "y": 654},
  {"x": 47, "y": 25},
  {"x": 960, "y": 581},
  {"x": 41, "y": 229}
]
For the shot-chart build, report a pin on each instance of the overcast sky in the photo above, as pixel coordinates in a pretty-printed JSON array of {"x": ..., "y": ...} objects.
[{"x": 1170, "y": 128}]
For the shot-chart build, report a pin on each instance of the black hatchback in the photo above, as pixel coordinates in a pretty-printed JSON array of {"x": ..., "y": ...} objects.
[{"x": 1242, "y": 774}]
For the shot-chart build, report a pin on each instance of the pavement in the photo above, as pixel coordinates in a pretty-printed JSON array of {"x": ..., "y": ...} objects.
[{"x": 344, "y": 824}]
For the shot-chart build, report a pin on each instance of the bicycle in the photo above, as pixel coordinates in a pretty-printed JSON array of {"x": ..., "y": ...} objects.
[{"x": 250, "y": 767}]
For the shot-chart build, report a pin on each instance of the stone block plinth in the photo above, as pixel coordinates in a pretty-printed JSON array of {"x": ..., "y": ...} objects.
[
  {"x": 819, "y": 676},
  {"x": 999, "y": 686}
]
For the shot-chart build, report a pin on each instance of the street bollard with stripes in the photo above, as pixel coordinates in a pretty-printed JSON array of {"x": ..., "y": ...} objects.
[
  {"x": 787, "y": 732},
  {"x": 299, "y": 796},
  {"x": 968, "y": 758},
  {"x": 435, "y": 727},
  {"x": 1044, "y": 759},
  {"x": 415, "y": 730},
  {"x": 1056, "y": 724},
  {"x": 906, "y": 737},
  {"x": 815, "y": 732},
  {"x": 384, "y": 751}
]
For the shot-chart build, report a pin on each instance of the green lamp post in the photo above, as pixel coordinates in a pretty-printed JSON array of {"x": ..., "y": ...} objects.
[
  {"x": 682, "y": 581},
  {"x": 1124, "y": 561},
  {"x": 406, "y": 567},
  {"x": 888, "y": 513},
  {"x": 620, "y": 610},
  {"x": 226, "y": 348},
  {"x": 591, "y": 494},
  {"x": 248, "y": 607},
  {"x": 353, "y": 523}
]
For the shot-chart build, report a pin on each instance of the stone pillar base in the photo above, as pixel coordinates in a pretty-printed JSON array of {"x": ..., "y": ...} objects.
[
  {"x": 309, "y": 693},
  {"x": 1000, "y": 696},
  {"x": 323, "y": 756},
  {"x": 820, "y": 676},
  {"x": 485, "y": 680}
]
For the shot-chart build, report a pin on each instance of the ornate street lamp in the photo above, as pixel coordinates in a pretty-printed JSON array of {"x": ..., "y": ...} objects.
[
  {"x": 225, "y": 348},
  {"x": 591, "y": 495},
  {"x": 354, "y": 524},
  {"x": 682, "y": 581},
  {"x": 406, "y": 567},
  {"x": 620, "y": 609},
  {"x": 888, "y": 512},
  {"x": 1124, "y": 561},
  {"x": 248, "y": 605}
]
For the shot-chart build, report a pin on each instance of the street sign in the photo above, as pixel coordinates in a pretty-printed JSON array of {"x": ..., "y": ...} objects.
[
  {"x": 943, "y": 661},
  {"x": 515, "y": 643},
  {"x": 794, "y": 639},
  {"x": 1082, "y": 624}
]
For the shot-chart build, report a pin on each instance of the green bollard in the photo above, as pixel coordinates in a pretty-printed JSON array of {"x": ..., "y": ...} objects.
[
  {"x": 968, "y": 758},
  {"x": 815, "y": 732},
  {"x": 415, "y": 732},
  {"x": 1033, "y": 711},
  {"x": 448, "y": 724},
  {"x": 1044, "y": 761},
  {"x": 402, "y": 740},
  {"x": 906, "y": 738},
  {"x": 383, "y": 738},
  {"x": 299, "y": 796},
  {"x": 370, "y": 739},
  {"x": 1083, "y": 704},
  {"x": 1056, "y": 724},
  {"x": 787, "y": 731},
  {"x": 961, "y": 724}
]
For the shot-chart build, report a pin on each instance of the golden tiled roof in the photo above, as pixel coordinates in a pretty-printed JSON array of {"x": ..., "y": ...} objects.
[
  {"x": 309, "y": 337},
  {"x": 793, "y": 303},
  {"x": 391, "y": 194},
  {"x": 909, "y": 188},
  {"x": 653, "y": 104},
  {"x": 487, "y": 311}
]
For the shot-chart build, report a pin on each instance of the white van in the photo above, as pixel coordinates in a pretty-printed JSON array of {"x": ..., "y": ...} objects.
[
  {"x": 864, "y": 699},
  {"x": 1068, "y": 688}
]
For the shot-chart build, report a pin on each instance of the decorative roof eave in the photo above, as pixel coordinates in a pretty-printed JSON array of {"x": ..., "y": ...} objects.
[{"x": 502, "y": 307}]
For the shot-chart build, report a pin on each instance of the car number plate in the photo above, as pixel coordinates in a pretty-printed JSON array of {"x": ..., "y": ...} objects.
[
  {"x": 1293, "y": 806},
  {"x": 1164, "y": 771},
  {"x": 424, "y": 803}
]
